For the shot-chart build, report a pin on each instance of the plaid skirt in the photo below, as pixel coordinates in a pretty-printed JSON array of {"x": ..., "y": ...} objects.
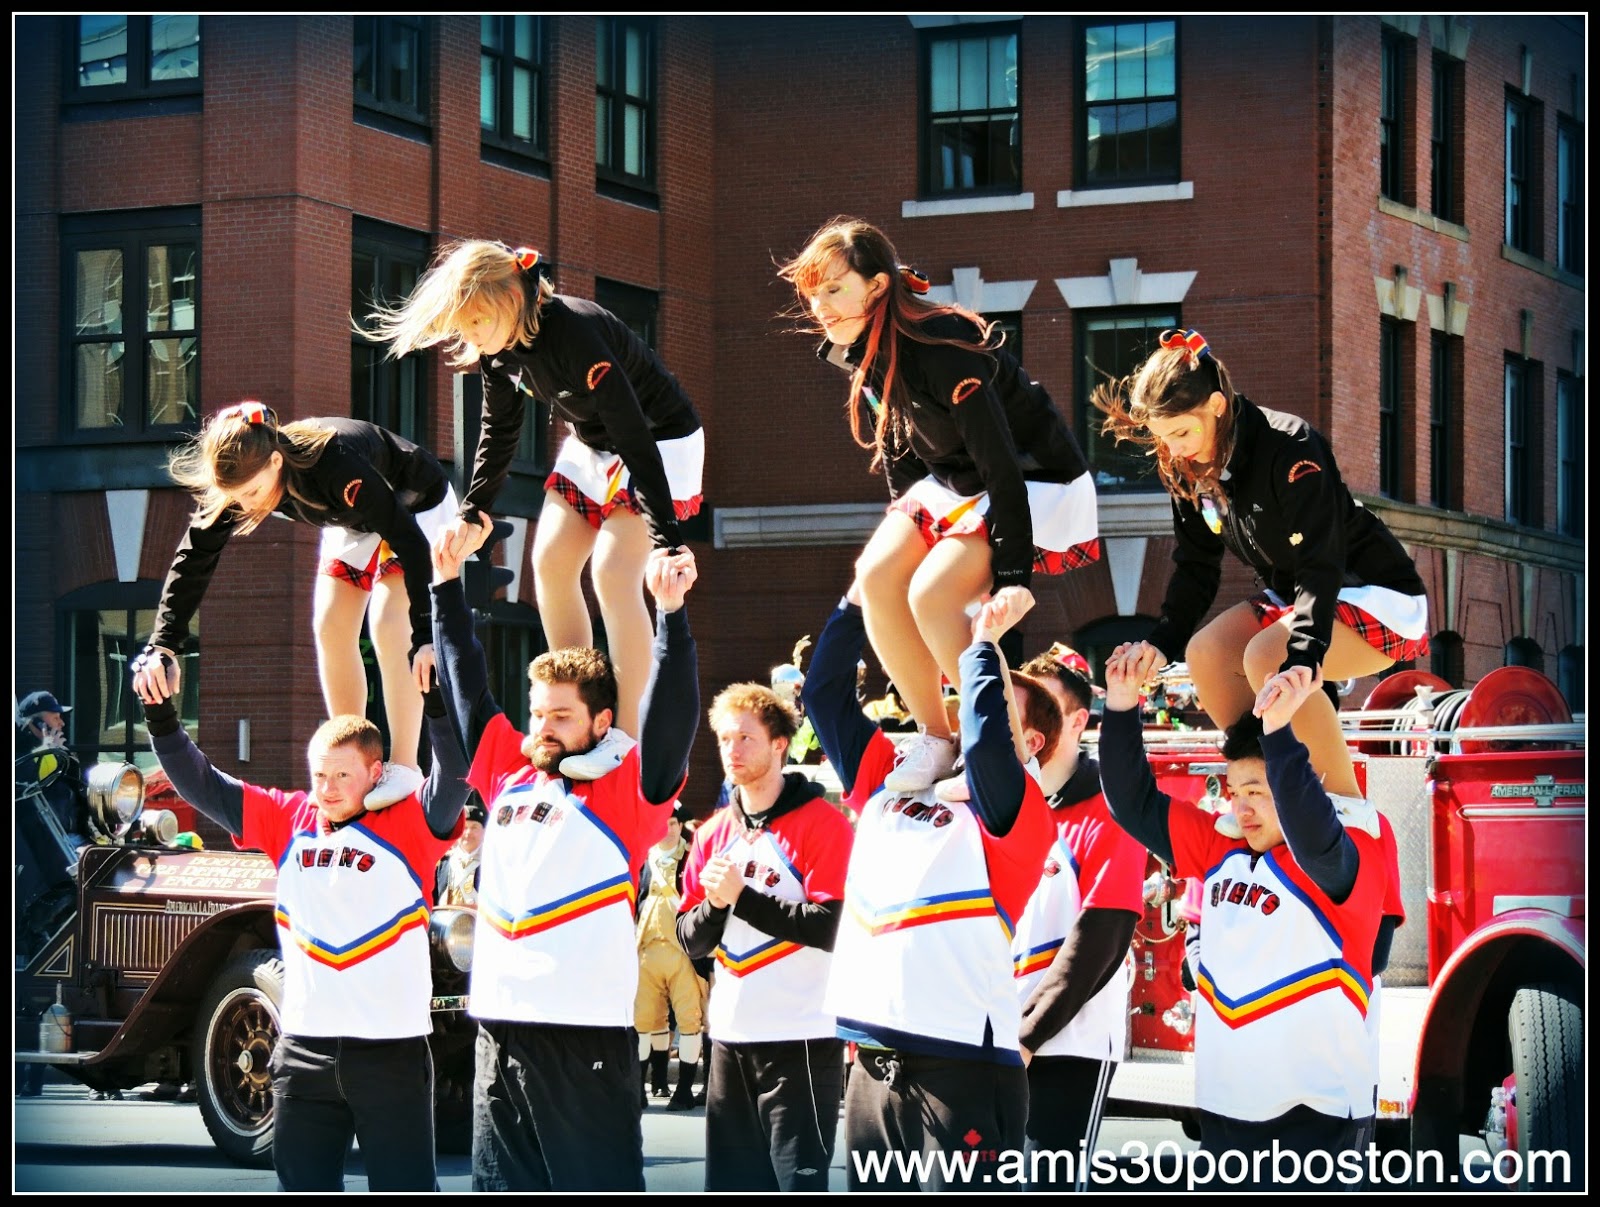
[
  {"x": 1270, "y": 608},
  {"x": 1065, "y": 524},
  {"x": 595, "y": 484}
]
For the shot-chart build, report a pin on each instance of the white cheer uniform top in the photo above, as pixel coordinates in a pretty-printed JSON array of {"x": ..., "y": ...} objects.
[
  {"x": 555, "y": 936},
  {"x": 352, "y": 913},
  {"x": 768, "y": 988},
  {"x": 924, "y": 946},
  {"x": 1285, "y": 976}
]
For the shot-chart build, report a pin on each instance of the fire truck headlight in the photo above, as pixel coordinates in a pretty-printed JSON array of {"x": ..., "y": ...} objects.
[{"x": 450, "y": 931}]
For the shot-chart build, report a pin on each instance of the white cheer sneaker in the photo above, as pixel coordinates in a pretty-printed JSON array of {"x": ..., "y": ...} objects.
[
  {"x": 924, "y": 760},
  {"x": 603, "y": 758}
]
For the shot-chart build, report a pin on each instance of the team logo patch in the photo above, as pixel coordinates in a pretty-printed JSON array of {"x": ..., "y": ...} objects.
[
  {"x": 596, "y": 372},
  {"x": 1295, "y": 538},
  {"x": 964, "y": 390},
  {"x": 1301, "y": 469},
  {"x": 351, "y": 489},
  {"x": 1052, "y": 868}
]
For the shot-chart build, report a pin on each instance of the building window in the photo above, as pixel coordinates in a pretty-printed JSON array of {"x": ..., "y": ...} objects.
[
  {"x": 634, "y": 306},
  {"x": 131, "y": 309},
  {"x": 1448, "y": 134},
  {"x": 1521, "y": 198},
  {"x": 1129, "y": 133},
  {"x": 1569, "y": 184},
  {"x": 385, "y": 263},
  {"x": 972, "y": 136},
  {"x": 1448, "y": 658},
  {"x": 1009, "y": 325},
  {"x": 1392, "y": 157},
  {"x": 624, "y": 102},
  {"x": 1113, "y": 345},
  {"x": 1569, "y": 454},
  {"x": 1569, "y": 676},
  {"x": 1444, "y": 421},
  {"x": 1524, "y": 651},
  {"x": 511, "y": 83},
  {"x": 126, "y": 57},
  {"x": 1522, "y": 443},
  {"x": 105, "y": 627},
  {"x": 1392, "y": 446},
  {"x": 390, "y": 58}
]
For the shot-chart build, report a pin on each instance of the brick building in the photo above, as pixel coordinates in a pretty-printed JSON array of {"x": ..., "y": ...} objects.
[{"x": 1378, "y": 223}]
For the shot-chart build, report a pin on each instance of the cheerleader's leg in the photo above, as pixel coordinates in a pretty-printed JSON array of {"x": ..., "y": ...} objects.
[
  {"x": 562, "y": 543},
  {"x": 389, "y": 624},
  {"x": 955, "y": 574},
  {"x": 338, "y": 608},
  {"x": 884, "y": 572},
  {"x": 620, "y": 553}
]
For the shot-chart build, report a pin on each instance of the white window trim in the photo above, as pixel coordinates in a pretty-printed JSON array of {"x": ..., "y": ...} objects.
[
  {"x": 1133, "y": 195},
  {"x": 1125, "y": 285},
  {"x": 969, "y": 289},
  {"x": 947, "y": 206}
]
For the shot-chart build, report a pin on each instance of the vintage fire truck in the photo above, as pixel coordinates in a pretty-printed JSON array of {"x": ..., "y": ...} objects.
[
  {"x": 161, "y": 963},
  {"x": 1481, "y": 1008}
]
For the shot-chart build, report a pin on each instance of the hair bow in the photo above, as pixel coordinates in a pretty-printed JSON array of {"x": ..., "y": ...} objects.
[
  {"x": 526, "y": 257},
  {"x": 250, "y": 412},
  {"x": 1191, "y": 342},
  {"x": 916, "y": 282}
]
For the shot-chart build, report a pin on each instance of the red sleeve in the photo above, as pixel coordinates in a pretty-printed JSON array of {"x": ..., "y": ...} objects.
[
  {"x": 1394, "y": 905},
  {"x": 826, "y": 853},
  {"x": 1016, "y": 861},
  {"x": 270, "y": 819},
  {"x": 1110, "y": 865},
  {"x": 695, "y": 861},
  {"x": 498, "y": 756},
  {"x": 1358, "y": 915},
  {"x": 1196, "y": 845},
  {"x": 877, "y": 760}
]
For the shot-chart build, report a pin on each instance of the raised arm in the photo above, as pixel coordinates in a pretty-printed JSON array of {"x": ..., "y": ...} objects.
[
  {"x": 829, "y": 694},
  {"x": 214, "y": 793},
  {"x": 463, "y": 668},
  {"x": 445, "y": 794},
  {"x": 1130, "y": 789},
  {"x": 1317, "y": 838},
  {"x": 669, "y": 714}
]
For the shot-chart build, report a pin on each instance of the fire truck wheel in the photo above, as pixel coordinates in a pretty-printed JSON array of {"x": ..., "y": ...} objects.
[
  {"x": 235, "y": 1032},
  {"x": 1546, "y": 1029}
]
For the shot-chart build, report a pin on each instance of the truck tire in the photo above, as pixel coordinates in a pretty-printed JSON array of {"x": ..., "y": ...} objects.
[
  {"x": 1546, "y": 1029},
  {"x": 235, "y": 1031}
]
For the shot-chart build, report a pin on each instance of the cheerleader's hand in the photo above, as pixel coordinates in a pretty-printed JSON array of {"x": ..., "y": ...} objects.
[
  {"x": 422, "y": 668},
  {"x": 467, "y": 536},
  {"x": 156, "y": 676}
]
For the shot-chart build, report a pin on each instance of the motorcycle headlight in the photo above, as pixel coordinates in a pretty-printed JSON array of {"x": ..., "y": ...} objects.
[
  {"x": 450, "y": 932},
  {"x": 116, "y": 795}
]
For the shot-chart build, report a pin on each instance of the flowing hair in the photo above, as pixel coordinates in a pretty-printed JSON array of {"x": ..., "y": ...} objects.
[
  {"x": 235, "y": 445},
  {"x": 468, "y": 270},
  {"x": 900, "y": 311},
  {"x": 1172, "y": 382}
]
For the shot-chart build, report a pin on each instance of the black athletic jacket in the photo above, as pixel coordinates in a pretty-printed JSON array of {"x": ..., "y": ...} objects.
[
  {"x": 1290, "y": 517},
  {"x": 602, "y": 379},
  {"x": 978, "y": 423},
  {"x": 367, "y": 479}
]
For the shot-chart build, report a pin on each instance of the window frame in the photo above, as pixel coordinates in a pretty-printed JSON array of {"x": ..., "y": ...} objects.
[
  {"x": 498, "y": 140},
  {"x": 1393, "y": 128},
  {"x": 388, "y": 244},
  {"x": 610, "y": 179},
  {"x": 1569, "y": 195},
  {"x": 501, "y": 619},
  {"x": 1519, "y": 161},
  {"x": 1569, "y": 454},
  {"x": 1391, "y": 403},
  {"x": 1447, "y": 657},
  {"x": 374, "y": 108},
  {"x": 1085, "y": 378},
  {"x": 1083, "y": 105},
  {"x": 1447, "y": 135},
  {"x": 139, "y": 36},
  {"x": 626, "y": 301},
  {"x": 1522, "y": 443},
  {"x": 1445, "y": 420},
  {"x": 132, "y": 598},
  {"x": 928, "y": 188},
  {"x": 133, "y": 233}
]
